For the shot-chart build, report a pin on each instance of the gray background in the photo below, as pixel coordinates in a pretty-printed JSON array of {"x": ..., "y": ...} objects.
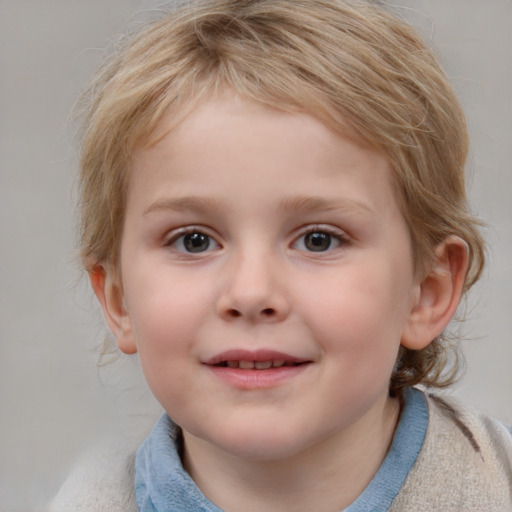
[{"x": 55, "y": 401}]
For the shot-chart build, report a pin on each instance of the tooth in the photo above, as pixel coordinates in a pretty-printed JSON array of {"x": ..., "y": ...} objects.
[
  {"x": 246, "y": 365},
  {"x": 277, "y": 363},
  {"x": 262, "y": 365},
  {"x": 232, "y": 364}
]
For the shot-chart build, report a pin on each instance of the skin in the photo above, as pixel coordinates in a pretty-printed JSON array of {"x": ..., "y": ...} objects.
[{"x": 255, "y": 189}]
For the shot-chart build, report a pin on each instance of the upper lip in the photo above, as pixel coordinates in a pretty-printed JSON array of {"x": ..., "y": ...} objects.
[{"x": 257, "y": 355}]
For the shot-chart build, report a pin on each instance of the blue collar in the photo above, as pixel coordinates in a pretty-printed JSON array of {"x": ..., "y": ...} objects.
[
  {"x": 162, "y": 485},
  {"x": 407, "y": 442}
]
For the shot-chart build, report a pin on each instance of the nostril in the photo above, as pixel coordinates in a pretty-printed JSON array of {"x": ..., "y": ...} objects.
[{"x": 269, "y": 313}]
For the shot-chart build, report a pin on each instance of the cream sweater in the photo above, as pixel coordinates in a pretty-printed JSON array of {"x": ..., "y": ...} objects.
[{"x": 464, "y": 465}]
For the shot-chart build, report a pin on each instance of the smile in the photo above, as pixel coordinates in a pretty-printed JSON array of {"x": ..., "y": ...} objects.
[
  {"x": 254, "y": 360},
  {"x": 256, "y": 365},
  {"x": 252, "y": 370}
]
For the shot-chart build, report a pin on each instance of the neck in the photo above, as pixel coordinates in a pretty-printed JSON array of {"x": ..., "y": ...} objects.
[{"x": 313, "y": 479}]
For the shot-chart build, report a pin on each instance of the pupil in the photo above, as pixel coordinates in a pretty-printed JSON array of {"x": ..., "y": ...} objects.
[
  {"x": 196, "y": 242},
  {"x": 318, "y": 241}
]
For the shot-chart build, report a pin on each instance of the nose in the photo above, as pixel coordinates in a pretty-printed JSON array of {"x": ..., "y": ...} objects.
[{"x": 253, "y": 290}]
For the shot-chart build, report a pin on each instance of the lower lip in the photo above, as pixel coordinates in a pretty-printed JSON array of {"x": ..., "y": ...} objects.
[{"x": 257, "y": 379}]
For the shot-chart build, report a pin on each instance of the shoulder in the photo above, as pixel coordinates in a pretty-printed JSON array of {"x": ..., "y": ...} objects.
[
  {"x": 486, "y": 438},
  {"x": 465, "y": 462},
  {"x": 103, "y": 481}
]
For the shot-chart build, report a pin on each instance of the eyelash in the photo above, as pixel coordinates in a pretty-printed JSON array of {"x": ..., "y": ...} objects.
[
  {"x": 182, "y": 233},
  {"x": 338, "y": 237}
]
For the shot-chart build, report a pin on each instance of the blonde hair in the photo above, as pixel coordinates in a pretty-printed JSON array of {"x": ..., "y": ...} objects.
[{"x": 361, "y": 70}]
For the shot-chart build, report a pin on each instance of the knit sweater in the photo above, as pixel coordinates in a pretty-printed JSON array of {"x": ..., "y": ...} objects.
[{"x": 445, "y": 457}]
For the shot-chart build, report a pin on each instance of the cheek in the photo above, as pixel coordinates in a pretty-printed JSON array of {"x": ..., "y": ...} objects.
[
  {"x": 166, "y": 317},
  {"x": 360, "y": 318},
  {"x": 165, "y": 313}
]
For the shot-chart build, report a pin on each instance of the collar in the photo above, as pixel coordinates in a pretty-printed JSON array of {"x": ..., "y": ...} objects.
[{"x": 163, "y": 485}]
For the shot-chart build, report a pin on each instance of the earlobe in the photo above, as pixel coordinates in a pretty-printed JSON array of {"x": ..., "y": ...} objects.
[
  {"x": 438, "y": 294},
  {"x": 110, "y": 296}
]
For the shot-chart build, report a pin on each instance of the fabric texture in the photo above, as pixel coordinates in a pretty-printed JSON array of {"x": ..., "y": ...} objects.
[
  {"x": 465, "y": 464},
  {"x": 444, "y": 457},
  {"x": 102, "y": 482},
  {"x": 161, "y": 483}
]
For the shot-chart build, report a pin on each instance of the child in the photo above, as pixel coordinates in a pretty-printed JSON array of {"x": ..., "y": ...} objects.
[{"x": 274, "y": 218}]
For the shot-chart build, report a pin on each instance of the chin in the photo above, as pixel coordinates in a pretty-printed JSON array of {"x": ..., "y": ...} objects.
[
  {"x": 264, "y": 450},
  {"x": 263, "y": 444}
]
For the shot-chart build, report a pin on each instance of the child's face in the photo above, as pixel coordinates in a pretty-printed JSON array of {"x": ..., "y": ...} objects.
[{"x": 256, "y": 237}]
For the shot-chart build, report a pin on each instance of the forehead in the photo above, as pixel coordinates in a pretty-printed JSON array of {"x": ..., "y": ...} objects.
[{"x": 229, "y": 148}]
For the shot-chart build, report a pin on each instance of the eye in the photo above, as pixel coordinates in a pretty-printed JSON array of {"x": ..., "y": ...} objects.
[
  {"x": 193, "y": 241},
  {"x": 319, "y": 240}
]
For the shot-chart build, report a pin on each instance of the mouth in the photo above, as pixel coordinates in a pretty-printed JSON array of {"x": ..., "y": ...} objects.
[
  {"x": 256, "y": 365},
  {"x": 254, "y": 360},
  {"x": 257, "y": 370}
]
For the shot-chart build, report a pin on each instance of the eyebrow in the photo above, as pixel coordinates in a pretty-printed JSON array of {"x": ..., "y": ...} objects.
[
  {"x": 180, "y": 204},
  {"x": 307, "y": 204},
  {"x": 296, "y": 204}
]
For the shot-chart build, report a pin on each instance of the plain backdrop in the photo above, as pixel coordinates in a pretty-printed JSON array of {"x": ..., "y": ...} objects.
[{"x": 55, "y": 400}]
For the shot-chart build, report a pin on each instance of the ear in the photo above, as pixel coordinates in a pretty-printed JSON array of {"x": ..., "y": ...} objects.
[
  {"x": 438, "y": 294},
  {"x": 110, "y": 296}
]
